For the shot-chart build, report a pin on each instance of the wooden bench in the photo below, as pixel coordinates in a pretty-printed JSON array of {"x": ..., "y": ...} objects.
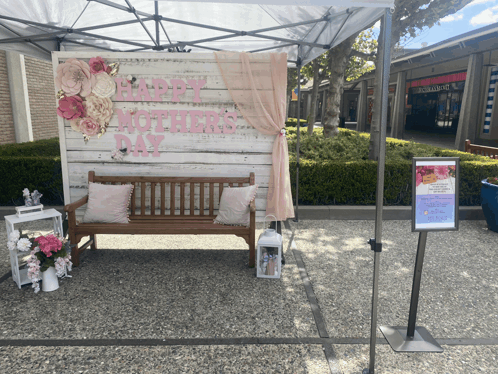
[
  {"x": 184, "y": 223},
  {"x": 481, "y": 150}
]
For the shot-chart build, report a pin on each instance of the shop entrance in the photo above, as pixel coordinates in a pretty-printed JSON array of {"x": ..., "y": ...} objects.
[
  {"x": 448, "y": 111},
  {"x": 435, "y": 108}
]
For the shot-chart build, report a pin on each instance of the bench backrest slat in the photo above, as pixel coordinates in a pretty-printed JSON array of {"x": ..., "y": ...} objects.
[
  {"x": 211, "y": 199},
  {"x": 192, "y": 195},
  {"x": 201, "y": 199},
  {"x": 152, "y": 199},
  {"x": 163, "y": 198},
  {"x": 182, "y": 198},
  {"x": 158, "y": 200},
  {"x": 172, "y": 198}
]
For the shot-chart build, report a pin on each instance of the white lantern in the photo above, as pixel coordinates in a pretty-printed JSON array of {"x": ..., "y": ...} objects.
[{"x": 269, "y": 254}]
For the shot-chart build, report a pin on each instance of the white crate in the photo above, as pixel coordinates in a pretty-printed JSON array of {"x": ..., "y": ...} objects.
[{"x": 24, "y": 211}]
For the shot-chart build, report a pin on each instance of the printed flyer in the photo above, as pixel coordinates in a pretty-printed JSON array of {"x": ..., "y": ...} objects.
[{"x": 435, "y": 195}]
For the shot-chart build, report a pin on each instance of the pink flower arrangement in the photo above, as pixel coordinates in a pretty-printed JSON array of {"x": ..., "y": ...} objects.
[
  {"x": 46, "y": 251},
  {"x": 97, "y": 65},
  {"x": 84, "y": 94},
  {"x": 71, "y": 107},
  {"x": 49, "y": 244}
]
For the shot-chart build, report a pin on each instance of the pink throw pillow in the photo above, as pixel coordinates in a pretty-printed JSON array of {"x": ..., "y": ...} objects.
[
  {"x": 108, "y": 203},
  {"x": 234, "y": 206}
]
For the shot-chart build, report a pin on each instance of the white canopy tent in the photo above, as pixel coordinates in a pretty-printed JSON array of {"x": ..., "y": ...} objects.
[{"x": 304, "y": 29}]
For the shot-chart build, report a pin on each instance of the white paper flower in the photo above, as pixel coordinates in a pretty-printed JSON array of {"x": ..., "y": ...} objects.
[
  {"x": 24, "y": 245},
  {"x": 104, "y": 85},
  {"x": 11, "y": 246},
  {"x": 14, "y": 235}
]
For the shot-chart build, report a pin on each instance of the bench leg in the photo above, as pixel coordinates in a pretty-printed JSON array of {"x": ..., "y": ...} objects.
[
  {"x": 252, "y": 255},
  {"x": 93, "y": 246},
  {"x": 75, "y": 252}
]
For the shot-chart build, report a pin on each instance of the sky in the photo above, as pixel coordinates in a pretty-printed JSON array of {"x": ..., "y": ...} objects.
[{"x": 475, "y": 15}]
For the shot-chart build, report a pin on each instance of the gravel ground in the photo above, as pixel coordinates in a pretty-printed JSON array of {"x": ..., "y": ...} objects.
[
  {"x": 458, "y": 297},
  {"x": 172, "y": 359},
  {"x": 454, "y": 359},
  {"x": 166, "y": 287},
  {"x": 177, "y": 291}
]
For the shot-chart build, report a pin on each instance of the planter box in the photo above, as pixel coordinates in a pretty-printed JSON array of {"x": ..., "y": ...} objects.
[{"x": 489, "y": 194}]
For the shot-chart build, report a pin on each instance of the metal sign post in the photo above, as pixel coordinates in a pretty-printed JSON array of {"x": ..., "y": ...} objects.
[{"x": 434, "y": 208}]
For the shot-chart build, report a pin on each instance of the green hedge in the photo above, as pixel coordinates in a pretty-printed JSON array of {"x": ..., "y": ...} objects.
[
  {"x": 355, "y": 182},
  {"x": 332, "y": 171},
  {"x": 34, "y": 173},
  {"x": 337, "y": 171}
]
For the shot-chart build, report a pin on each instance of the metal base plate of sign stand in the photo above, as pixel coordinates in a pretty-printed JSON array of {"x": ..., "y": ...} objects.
[{"x": 421, "y": 341}]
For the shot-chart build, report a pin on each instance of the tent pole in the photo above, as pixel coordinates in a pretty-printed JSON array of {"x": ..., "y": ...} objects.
[
  {"x": 298, "y": 126},
  {"x": 376, "y": 243}
]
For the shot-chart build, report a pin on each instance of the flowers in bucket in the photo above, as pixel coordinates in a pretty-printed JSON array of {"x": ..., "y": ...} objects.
[
  {"x": 46, "y": 251},
  {"x": 493, "y": 180},
  {"x": 84, "y": 94}
]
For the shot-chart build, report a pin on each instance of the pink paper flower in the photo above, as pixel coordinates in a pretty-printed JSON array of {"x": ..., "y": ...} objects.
[
  {"x": 97, "y": 65},
  {"x": 98, "y": 108},
  {"x": 74, "y": 77},
  {"x": 71, "y": 107},
  {"x": 89, "y": 126}
]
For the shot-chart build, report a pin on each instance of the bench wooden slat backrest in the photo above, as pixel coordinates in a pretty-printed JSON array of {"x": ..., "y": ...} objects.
[
  {"x": 481, "y": 150},
  {"x": 196, "y": 188}
]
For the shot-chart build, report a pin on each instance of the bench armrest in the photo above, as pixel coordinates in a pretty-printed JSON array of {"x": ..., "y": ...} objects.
[
  {"x": 72, "y": 207},
  {"x": 252, "y": 206}
]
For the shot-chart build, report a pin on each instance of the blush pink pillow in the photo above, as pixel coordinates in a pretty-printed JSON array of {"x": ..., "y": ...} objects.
[
  {"x": 108, "y": 203},
  {"x": 234, "y": 205}
]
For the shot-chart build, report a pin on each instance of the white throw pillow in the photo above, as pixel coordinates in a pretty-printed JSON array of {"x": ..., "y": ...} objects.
[
  {"x": 234, "y": 206},
  {"x": 108, "y": 203}
]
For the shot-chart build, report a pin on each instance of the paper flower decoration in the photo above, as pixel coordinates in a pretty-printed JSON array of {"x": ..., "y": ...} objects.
[
  {"x": 71, "y": 107},
  {"x": 98, "y": 108},
  {"x": 97, "y": 65},
  {"x": 104, "y": 85},
  {"x": 84, "y": 94},
  {"x": 74, "y": 77},
  {"x": 88, "y": 126}
]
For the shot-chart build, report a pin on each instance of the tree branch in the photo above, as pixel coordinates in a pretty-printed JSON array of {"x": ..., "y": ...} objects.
[{"x": 364, "y": 56}]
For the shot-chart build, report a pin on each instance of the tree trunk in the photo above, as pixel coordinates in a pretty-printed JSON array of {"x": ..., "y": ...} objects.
[
  {"x": 338, "y": 61},
  {"x": 314, "y": 95}
]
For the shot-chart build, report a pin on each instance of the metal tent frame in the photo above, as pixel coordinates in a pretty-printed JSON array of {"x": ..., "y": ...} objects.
[{"x": 46, "y": 37}]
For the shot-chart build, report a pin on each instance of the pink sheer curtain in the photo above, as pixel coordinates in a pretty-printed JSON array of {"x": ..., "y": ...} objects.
[{"x": 257, "y": 84}]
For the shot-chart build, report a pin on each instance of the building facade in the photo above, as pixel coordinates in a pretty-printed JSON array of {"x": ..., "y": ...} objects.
[
  {"x": 446, "y": 88},
  {"x": 27, "y": 99}
]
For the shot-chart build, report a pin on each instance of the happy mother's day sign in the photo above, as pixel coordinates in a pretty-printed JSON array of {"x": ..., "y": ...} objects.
[{"x": 179, "y": 121}]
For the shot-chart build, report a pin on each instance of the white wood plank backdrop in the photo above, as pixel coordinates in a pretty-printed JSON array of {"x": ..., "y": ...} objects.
[{"x": 181, "y": 154}]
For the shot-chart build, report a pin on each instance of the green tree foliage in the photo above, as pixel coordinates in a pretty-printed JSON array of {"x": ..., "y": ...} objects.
[{"x": 362, "y": 55}]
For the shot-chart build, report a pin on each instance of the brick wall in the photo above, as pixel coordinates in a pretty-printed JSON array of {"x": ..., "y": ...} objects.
[
  {"x": 42, "y": 101},
  {"x": 7, "y": 132}
]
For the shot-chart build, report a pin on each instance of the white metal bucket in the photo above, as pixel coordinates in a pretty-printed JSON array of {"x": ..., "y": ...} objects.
[{"x": 50, "y": 282}]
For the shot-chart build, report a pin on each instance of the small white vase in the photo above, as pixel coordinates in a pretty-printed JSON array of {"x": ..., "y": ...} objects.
[{"x": 50, "y": 282}]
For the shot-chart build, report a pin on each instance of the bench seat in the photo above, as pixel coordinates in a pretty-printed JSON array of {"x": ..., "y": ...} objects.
[{"x": 180, "y": 221}]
